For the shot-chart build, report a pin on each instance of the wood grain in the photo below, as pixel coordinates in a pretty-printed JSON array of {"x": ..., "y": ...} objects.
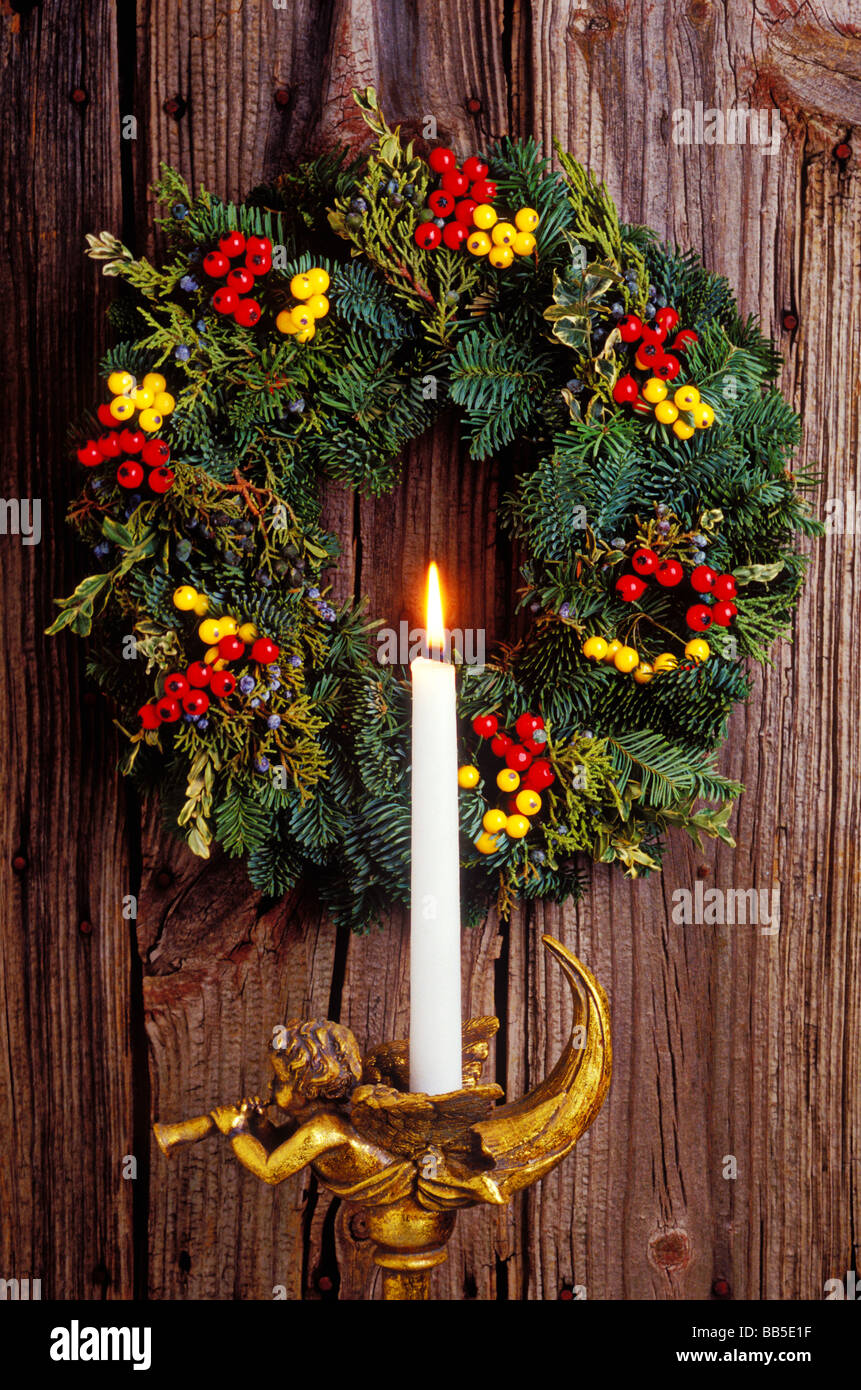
[{"x": 727, "y": 1041}]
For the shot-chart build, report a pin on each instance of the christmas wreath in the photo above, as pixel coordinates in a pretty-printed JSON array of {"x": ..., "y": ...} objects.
[{"x": 311, "y": 333}]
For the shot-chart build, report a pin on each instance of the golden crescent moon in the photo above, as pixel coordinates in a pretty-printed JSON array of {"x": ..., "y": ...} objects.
[{"x": 529, "y": 1137}]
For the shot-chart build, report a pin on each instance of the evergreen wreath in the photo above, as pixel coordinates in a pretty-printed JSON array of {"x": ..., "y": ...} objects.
[{"x": 658, "y": 489}]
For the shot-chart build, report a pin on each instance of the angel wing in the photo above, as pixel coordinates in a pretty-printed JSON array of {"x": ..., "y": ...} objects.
[{"x": 389, "y": 1064}]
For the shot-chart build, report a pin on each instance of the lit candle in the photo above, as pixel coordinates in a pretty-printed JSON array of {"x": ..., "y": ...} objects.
[{"x": 435, "y": 1015}]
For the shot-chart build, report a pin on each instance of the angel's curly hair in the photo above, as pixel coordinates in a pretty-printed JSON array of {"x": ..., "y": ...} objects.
[{"x": 320, "y": 1058}]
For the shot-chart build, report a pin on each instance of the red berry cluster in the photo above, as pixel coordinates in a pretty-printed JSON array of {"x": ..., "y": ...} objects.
[
  {"x": 670, "y": 573},
  {"x": 188, "y": 692},
  {"x": 459, "y": 194},
  {"x": 130, "y": 449},
  {"x": 521, "y": 757},
  {"x": 651, "y": 355},
  {"x": 241, "y": 278}
]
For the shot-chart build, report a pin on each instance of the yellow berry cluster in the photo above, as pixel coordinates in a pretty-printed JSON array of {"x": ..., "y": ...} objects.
[
  {"x": 685, "y": 398},
  {"x": 212, "y": 630},
  {"x": 499, "y": 240},
  {"x": 309, "y": 289},
  {"x": 150, "y": 398},
  {"x": 514, "y": 824},
  {"x": 627, "y": 659}
]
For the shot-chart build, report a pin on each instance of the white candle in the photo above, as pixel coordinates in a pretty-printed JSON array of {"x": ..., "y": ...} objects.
[{"x": 436, "y": 1062}]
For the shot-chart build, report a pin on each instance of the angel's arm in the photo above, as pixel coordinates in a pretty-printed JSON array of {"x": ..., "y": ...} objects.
[{"x": 315, "y": 1137}]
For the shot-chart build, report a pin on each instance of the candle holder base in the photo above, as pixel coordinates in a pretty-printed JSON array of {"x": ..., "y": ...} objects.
[{"x": 409, "y": 1160}]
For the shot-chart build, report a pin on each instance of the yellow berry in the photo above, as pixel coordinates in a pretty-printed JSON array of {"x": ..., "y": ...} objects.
[
  {"x": 610, "y": 655},
  {"x": 655, "y": 390},
  {"x": 626, "y": 659},
  {"x": 220, "y": 664},
  {"x": 120, "y": 383},
  {"x": 155, "y": 382},
  {"x": 666, "y": 413},
  {"x": 526, "y": 220},
  {"x": 284, "y": 322},
  {"x": 318, "y": 305},
  {"x": 184, "y": 598},
  {"x": 150, "y": 421},
  {"x": 247, "y": 632},
  {"x": 494, "y": 821},
  {"x": 302, "y": 316},
  {"x": 122, "y": 408},
  {"x": 479, "y": 243},
  {"x": 665, "y": 662},
  {"x": 501, "y": 257},
  {"x": 503, "y": 234},
  {"x": 142, "y": 398},
  {"x": 305, "y": 334},
  {"x": 686, "y": 396},
  {"x": 468, "y": 777},
  {"x": 528, "y": 802},
  {"x": 201, "y": 605},
  {"x": 644, "y": 673},
  {"x": 210, "y": 631},
  {"x": 229, "y": 627},
  {"x": 318, "y": 279},
  {"x": 595, "y": 648},
  {"x": 517, "y": 827},
  {"x": 523, "y": 244},
  {"x": 210, "y": 656},
  {"x": 301, "y": 287},
  {"x": 508, "y": 780},
  {"x": 682, "y": 430},
  {"x": 704, "y": 416},
  {"x": 164, "y": 403},
  {"x": 487, "y": 844},
  {"x": 698, "y": 650},
  {"x": 483, "y": 216}
]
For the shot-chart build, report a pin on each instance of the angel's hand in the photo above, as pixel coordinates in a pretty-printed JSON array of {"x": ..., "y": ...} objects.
[{"x": 225, "y": 1117}]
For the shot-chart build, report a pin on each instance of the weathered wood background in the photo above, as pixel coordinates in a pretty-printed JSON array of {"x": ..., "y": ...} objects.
[{"x": 728, "y": 1041}]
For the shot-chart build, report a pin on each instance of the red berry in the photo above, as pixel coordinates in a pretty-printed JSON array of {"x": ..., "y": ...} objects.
[
  {"x": 441, "y": 159},
  {"x": 222, "y": 683},
  {"x": 225, "y": 300},
  {"x": 259, "y": 246},
  {"x": 90, "y": 455},
  {"x": 703, "y": 579},
  {"x": 649, "y": 355},
  {"x": 258, "y": 264},
  {"x": 723, "y": 613},
  {"x": 539, "y": 776},
  {"x": 669, "y": 573},
  {"x": 105, "y": 417},
  {"x": 725, "y": 586},
  {"x": 427, "y": 235},
  {"x": 463, "y": 211},
  {"x": 630, "y": 328},
  {"x": 168, "y": 710},
  {"x": 485, "y": 725},
  {"x": 248, "y": 313},
  {"x": 176, "y": 684},
  {"x": 231, "y": 648},
  {"x": 161, "y": 479},
  {"x": 195, "y": 702},
  {"x": 155, "y": 453},
  {"x": 241, "y": 279},
  {"x": 264, "y": 651},
  {"x": 630, "y": 587},
  {"x": 537, "y": 744},
  {"x": 231, "y": 244},
  {"x": 483, "y": 191},
  {"x": 149, "y": 716},
  {"x": 527, "y": 724},
  {"x": 644, "y": 561},
  {"x": 517, "y": 758},
  {"x": 216, "y": 265},
  {"x": 501, "y": 744},
  {"x": 110, "y": 445},
  {"x": 475, "y": 168},
  {"x": 625, "y": 390},
  {"x": 454, "y": 234},
  {"x": 667, "y": 369},
  {"x": 684, "y": 340},
  {"x": 666, "y": 318},
  {"x": 653, "y": 335},
  {"x": 441, "y": 203},
  {"x": 130, "y": 474},
  {"x": 132, "y": 441},
  {"x": 699, "y": 617},
  {"x": 455, "y": 183},
  {"x": 199, "y": 674}
]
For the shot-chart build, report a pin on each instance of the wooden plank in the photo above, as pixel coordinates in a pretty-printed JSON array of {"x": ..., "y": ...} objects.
[{"x": 66, "y": 1021}]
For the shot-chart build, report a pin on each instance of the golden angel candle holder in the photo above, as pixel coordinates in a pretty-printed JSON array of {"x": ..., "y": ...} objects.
[{"x": 411, "y": 1160}]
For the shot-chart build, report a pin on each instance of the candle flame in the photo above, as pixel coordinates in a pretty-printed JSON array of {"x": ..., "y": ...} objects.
[{"x": 434, "y": 625}]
